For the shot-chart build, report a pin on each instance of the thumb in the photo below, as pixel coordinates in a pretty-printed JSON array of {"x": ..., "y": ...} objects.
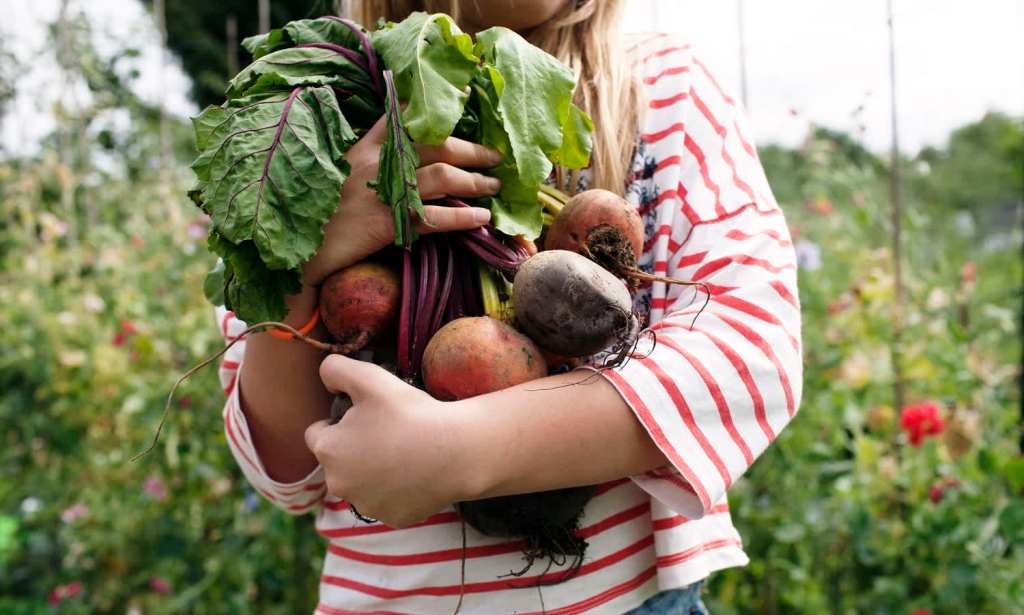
[
  {"x": 314, "y": 433},
  {"x": 359, "y": 379}
]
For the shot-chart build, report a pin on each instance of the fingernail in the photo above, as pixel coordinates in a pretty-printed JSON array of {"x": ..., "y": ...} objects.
[
  {"x": 494, "y": 157},
  {"x": 492, "y": 184},
  {"x": 481, "y": 215}
]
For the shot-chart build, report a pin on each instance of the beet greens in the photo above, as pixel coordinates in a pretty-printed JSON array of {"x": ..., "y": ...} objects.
[{"x": 271, "y": 157}]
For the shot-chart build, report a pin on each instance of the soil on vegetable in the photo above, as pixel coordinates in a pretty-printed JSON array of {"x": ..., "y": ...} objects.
[{"x": 609, "y": 247}]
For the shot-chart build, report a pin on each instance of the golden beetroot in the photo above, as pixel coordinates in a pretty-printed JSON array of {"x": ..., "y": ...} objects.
[{"x": 476, "y": 355}]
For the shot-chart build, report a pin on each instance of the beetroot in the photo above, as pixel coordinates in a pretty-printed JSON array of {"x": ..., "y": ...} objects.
[
  {"x": 570, "y": 305},
  {"x": 476, "y": 355},
  {"x": 360, "y": 303},
  {"x": 602, "y": 225}
]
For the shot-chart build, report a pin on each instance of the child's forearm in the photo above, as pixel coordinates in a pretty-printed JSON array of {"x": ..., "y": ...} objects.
[
  {"x": 282, "y": 394},
  {"x": 565, "y": 430}
]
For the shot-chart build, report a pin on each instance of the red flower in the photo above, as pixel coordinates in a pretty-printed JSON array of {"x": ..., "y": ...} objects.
[
  {"x": 920, "y": 420},
  {"x": 921, "y": 612},
  {"x": 821, "y": 206},
  {"x": 119, "y": 339},
  {"x": 160, "y": 586},
  {"x": 968, "y": 273},
  {"x": 128, "y": 327},
  {"x": 63, "y": 592},
  {"x": 935, "y": 493}
]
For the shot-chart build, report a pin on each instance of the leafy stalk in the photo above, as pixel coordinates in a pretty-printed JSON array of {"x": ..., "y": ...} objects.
[
  {"x": 373, "y": 65},
  {"x": 396, "y": 176}
]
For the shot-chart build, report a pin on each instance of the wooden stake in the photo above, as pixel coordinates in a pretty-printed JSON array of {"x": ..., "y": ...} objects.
[
  {"x": 896, "y": 347},
  {"x": 231, "y": 28},
  {"x": 263, "y": 6}
]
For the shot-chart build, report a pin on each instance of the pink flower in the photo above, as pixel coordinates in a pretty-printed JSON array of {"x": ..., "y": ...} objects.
[
  {"x": 920, "y": 420},
  {"x": 160, "y": 585},
  {"x": 64, "y": 592},
  {"x": 128, "y": 327},
  {"x": 196, "y": 231},
  {"x": 74, "y": 513},
  {"x": 155, "y": 488}
]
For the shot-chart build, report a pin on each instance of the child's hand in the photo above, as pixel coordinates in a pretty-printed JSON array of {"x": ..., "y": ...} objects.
[
  {"x": 397, "y": 454},
  {"x": 363, "y": 225}
]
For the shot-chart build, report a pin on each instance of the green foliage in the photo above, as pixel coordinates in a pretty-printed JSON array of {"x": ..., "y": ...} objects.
[
  {"x": 270, "y": 165},
  {"x": 396, "y": 182},
  {"x": 534, "y": 106},
  {"x": 99, "y": 322},
  {"x": 433, "y": 62},
  {"x": 980, "y": 171}
]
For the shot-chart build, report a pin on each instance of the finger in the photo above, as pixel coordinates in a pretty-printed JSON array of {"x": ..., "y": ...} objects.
[
  {"x": 377, "y": 133},
  {"x": 459, "y": 153},
  {"x": 313, "y": 435},
  {"x": 441, "y": 179},
  {"x": 441, "y": 219},
  {"x": 359, "y": 379}
]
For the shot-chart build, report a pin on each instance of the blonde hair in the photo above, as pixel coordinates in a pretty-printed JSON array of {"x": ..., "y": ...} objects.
[{"x": 585, "y": 36}]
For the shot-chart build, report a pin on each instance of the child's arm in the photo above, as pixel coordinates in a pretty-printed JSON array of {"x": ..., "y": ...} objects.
[{"x": 399, "y": 455}]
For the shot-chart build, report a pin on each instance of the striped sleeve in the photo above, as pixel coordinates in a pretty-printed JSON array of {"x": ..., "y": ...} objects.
[
  {"x": 713, "y": 390},
  {"x": 295, "y": 498}
]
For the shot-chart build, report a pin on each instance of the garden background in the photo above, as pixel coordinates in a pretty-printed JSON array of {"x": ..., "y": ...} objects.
[{"x": 861, "y": 506}]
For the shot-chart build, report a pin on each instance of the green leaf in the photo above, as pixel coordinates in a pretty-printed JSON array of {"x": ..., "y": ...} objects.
[
  {"x": 251, "y": 290},
  {"x": 205, "y": 123},
  {"x": 305, "y": 66},
  {"x": 534, "y": 103},
  {"x": 515, "y": 211},
  {"x": 577, "y": 129},
  {"x": 396, "y": 174},
  {"x": 273, "y": 172},
  {"x": 433, "y": 61},
  {"x": 300, "y": 32},
  {"x": 1013, "y": 470},
  {"x": 1011, "y": 521},
  {"x": 213, "y": 283}
]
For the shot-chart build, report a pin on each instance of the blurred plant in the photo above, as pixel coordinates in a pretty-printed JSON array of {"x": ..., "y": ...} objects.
[{"x": 919, "y": 510}]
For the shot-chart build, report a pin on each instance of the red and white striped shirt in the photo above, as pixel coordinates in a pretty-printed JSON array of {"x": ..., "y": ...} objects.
[{"x": 712, "y": 396}]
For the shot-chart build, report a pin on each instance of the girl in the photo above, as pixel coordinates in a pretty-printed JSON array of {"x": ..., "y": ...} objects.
[{"x": 664, "y": 435}]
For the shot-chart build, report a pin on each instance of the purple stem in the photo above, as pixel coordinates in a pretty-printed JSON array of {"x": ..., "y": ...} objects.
[
  {"x": 506, "y": 265},
  {"x": 427, "y": 302},
  {"x": 446, "y": 288},
  {"x": 406, "y": 316},
  {"x": 368, "y": 51},
  {"x": 349, "y": 55}
]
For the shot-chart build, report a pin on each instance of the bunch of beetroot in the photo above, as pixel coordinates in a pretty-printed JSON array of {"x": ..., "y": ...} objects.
[
  {"x": 459, "y": 314},
  {"x": 564, "y": 306}
]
